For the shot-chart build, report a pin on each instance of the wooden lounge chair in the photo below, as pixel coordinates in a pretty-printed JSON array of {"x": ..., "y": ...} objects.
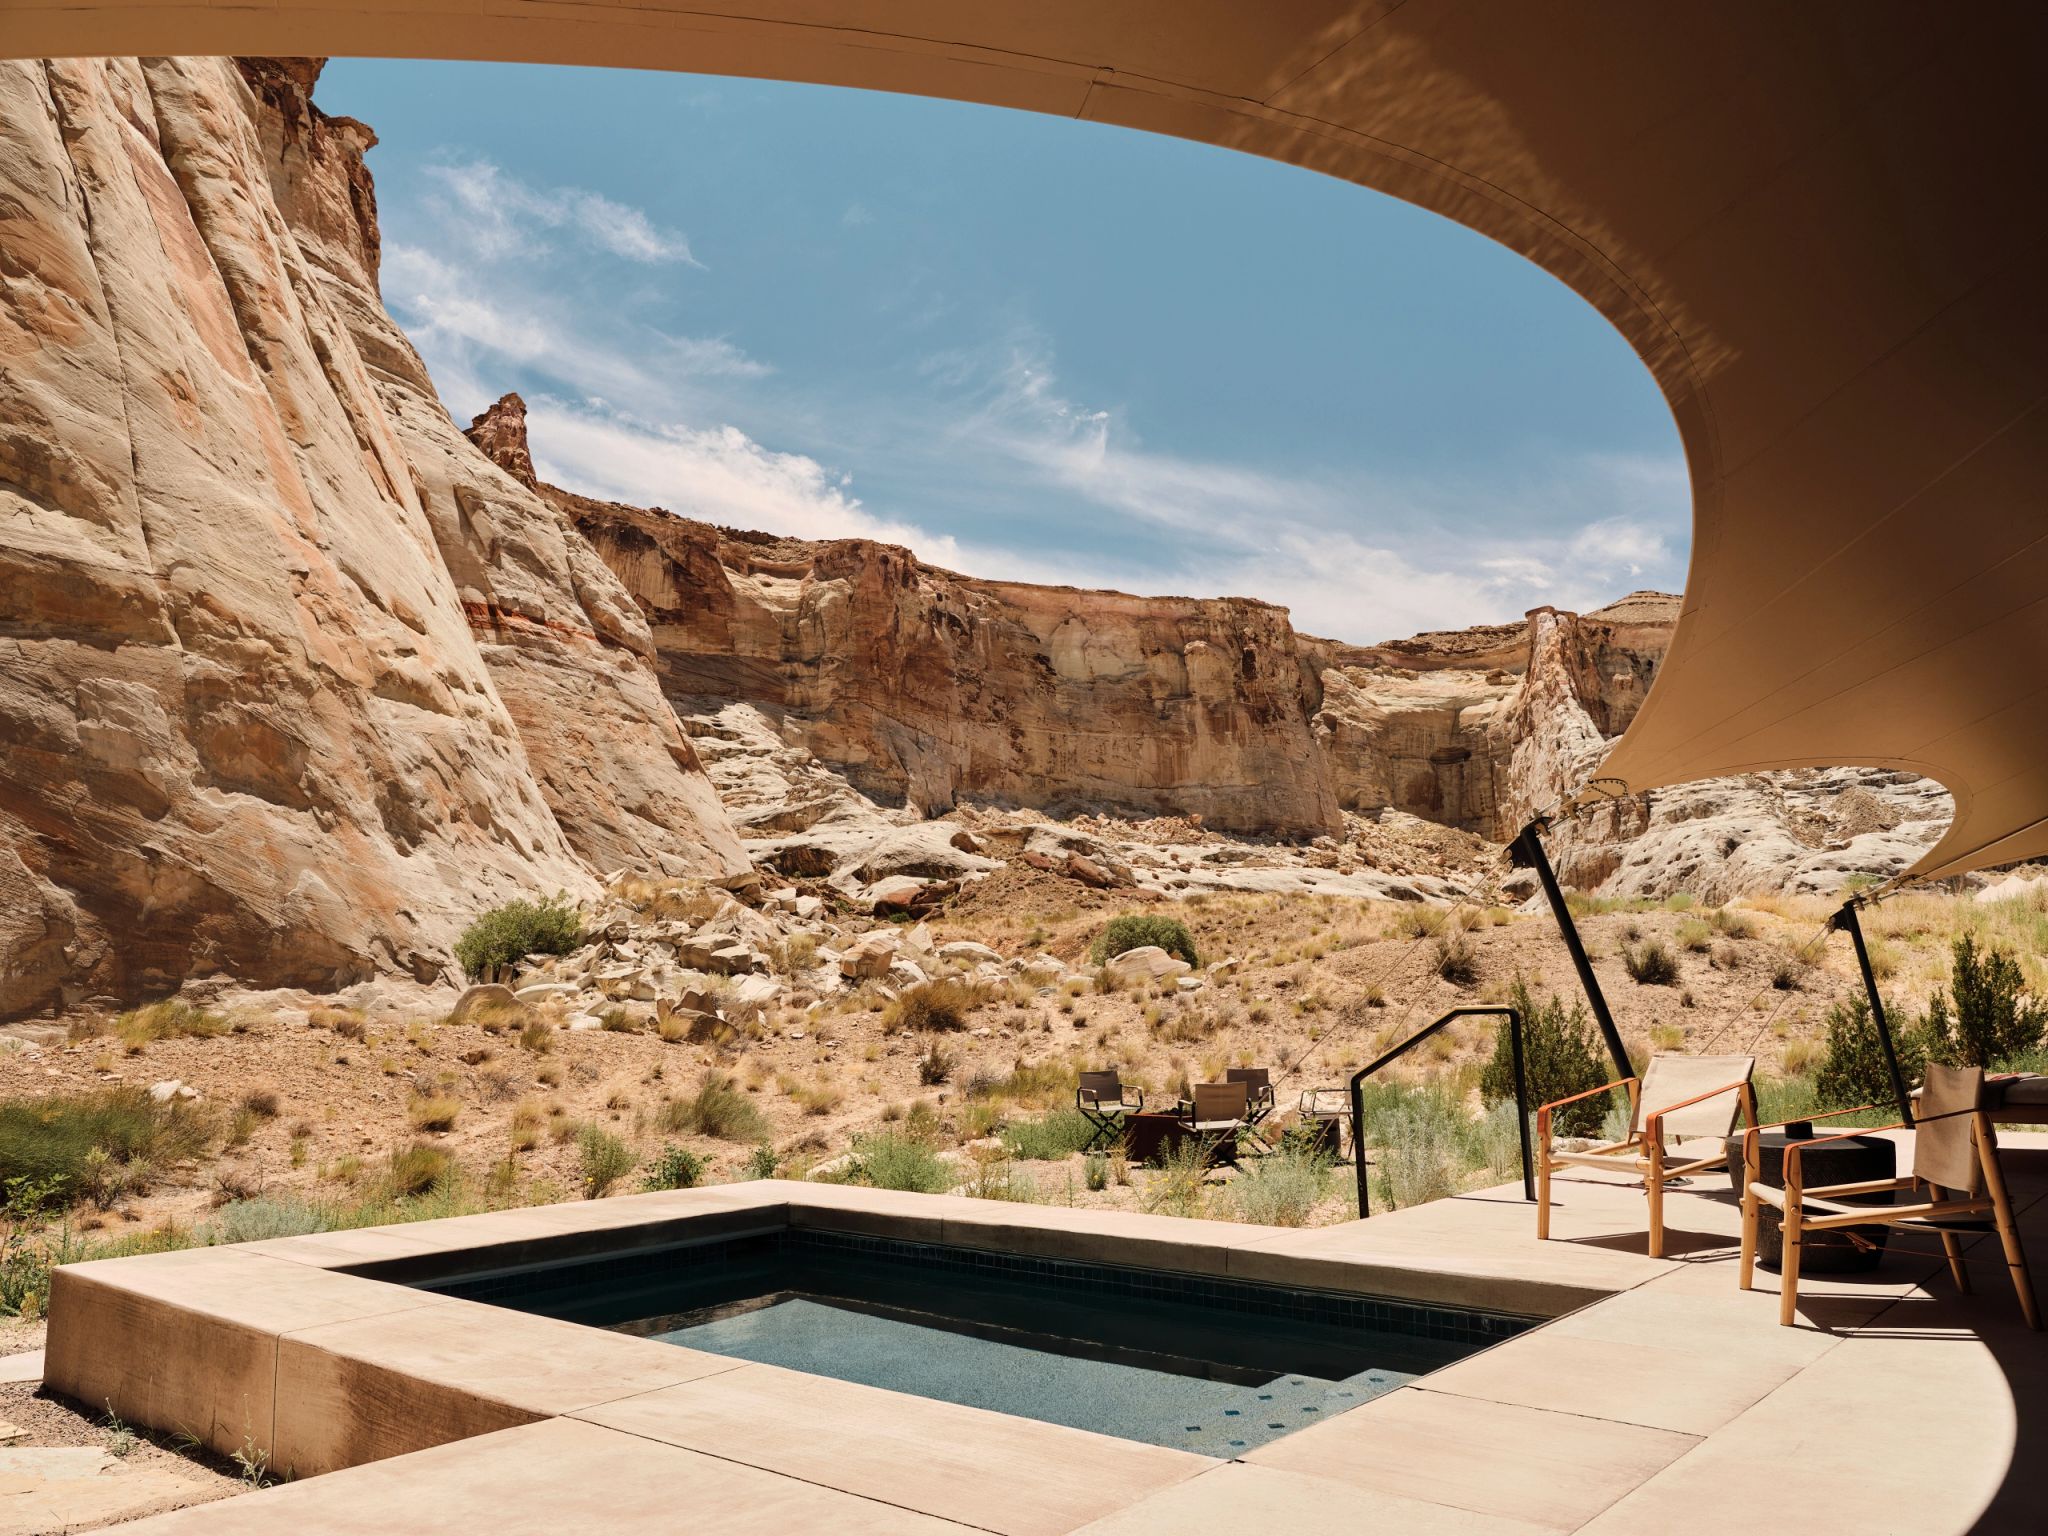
[
  {"x": 1103, "y": 1104},
  {"x": 1954, "y": 1150},
  {"x": 1216, "y": 1117},
  {"x": 1679, "y": 1099}
]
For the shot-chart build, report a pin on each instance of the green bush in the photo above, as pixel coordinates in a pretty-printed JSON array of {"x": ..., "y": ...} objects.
[
  {"x": 1560, "y": 1056},
  {"x": 1134, "y": 931},
  {"x": 1985, "y": 1018},
  {"x": 896, "y": 1160},
  {"x": 58, "y": 1150},
  {"x": 718, "y": 1108},
  {"x": 604, "y": 1158},
  {"x": 762, "y": 1163},
  {"x": 1852, "y": 1071},
  {"x": 508, "y": 934},
  {"x": 1058, "y": 1135},
  {"x": 676, "y": 1168}
]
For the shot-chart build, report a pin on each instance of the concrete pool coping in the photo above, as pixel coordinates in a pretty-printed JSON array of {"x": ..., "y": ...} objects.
[{"x": 1654, "y": 1375}]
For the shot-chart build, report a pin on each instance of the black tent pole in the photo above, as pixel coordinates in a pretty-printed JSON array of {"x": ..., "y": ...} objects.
[
  {"x": 1847, "y": 921},
  {"x": 1528, "y": 852}
]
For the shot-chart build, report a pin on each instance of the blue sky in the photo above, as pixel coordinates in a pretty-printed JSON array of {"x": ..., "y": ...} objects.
[{"x": 1029, "y": 348}]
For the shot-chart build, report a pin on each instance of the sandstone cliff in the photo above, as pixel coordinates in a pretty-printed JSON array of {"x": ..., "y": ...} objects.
[
  {"x": 925, "y": 687},
  {"x": 291, "y": 679}
]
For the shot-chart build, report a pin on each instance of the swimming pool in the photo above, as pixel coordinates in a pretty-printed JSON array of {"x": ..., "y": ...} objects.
[{"x": 1193, "y": 1362}]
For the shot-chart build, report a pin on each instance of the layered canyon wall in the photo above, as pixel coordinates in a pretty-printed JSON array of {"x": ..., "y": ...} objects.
[
  {"x": 926, "y": 687},
  {"x": 292, "y": 679}
]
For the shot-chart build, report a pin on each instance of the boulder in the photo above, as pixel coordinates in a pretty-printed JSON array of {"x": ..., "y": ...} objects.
[
  {"x": 1148, "y": 962},
  {"x": 870, "y": 955},
  {"x": 1091, "y": 873},
  {"x": 967, "y": 950},
  {"x": 171, "y": 1089},
  {"x": 541, "y": 991},
  {"x": 754, "y": 989},
  {"x": 486, "y": 994}
]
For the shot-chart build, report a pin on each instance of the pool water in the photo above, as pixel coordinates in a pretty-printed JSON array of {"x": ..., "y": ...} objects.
[
  {"x": 1193, "y": 1362},
  {"x": 1193, "y": 1413}
]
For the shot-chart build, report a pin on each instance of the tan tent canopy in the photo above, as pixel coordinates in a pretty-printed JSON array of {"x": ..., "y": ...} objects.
[{"x": 1820, "y": 225}]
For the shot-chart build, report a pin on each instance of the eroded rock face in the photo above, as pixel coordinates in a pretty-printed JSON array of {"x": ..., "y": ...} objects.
[
  {"x": 926, "y": 688},
  {"x": 292, "y": 680}
]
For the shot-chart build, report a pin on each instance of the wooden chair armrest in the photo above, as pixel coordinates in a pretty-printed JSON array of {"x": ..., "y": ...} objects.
[{"x": 1865, "y": 1187}]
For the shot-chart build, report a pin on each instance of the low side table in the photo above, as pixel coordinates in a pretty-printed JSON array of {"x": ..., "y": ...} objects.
[{"x": 1855, "y": 1160}]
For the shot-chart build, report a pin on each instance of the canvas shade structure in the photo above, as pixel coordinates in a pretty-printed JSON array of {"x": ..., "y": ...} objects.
[{"x": 1818, "y": 225}]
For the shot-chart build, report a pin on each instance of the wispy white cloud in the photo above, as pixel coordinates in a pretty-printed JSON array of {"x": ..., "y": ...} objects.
[
  {"x": 1355, "y": 556},
  {"x": 466, "y": 329},
  {"x": 505, "y": 215},
  {"x": 1010, "y": 475},
  {"x": 718, "y": 474}
]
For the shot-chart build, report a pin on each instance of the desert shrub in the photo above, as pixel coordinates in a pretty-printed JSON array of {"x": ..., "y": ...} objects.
[
  {"x": 1696, "y": 936},
  {"x": 1650, "y": 964},
  {"x": 762, "y": 1163},
  {"x": 1985, "y": 1018},
  {"x": 418, "y": 1170},
  {"x": 433, "y": 1112},
  {"x": 1136, "y": 931},
  {"x": 1282, "y": 1190},
  {"x": 932, "y": 1007},
  {"x": 1095, "y": 1170},
  {"x": 819, "y": 1098},
  {"x": 265, "y": 1216},
  {"x": 1179, "y": 1186},
  {"x": 1454, "y": 959},
  {"x": 1732, "y": 923},
  {"x": 1049, "y": 1139},
  {"x": 603, "y": 1158},
  {"x": 507, "y": 934},
  {"x": 1852, "y": 1067},
  {"x": 718, "y": 1108},
  {"x": 168, "y": 1021},
  {"x": 935, "y": 1066},
  {"x": 1559, "y": 1055},
  {"x": 618, "y": 1022},
  {"x": 104, "y": 1142},
  {"x": 1497, "y": 1144},
  {"x": 795, "y": 954},
  {"x": 1787, "y": 973},
  {"x": 538, "y": 1036},
  {"x": 261, "y": 1101},
  {"x": 1421, "y": 1150},
  {"x": 1420, "y": 922},
  {"x": 993, "y": 1175},
  {"x": 676, "y": 1168},
  {"x": 901, "y": 1160}
]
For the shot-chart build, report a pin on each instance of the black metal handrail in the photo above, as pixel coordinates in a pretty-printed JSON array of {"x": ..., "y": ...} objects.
[{"x": 1521, "y": 1094}]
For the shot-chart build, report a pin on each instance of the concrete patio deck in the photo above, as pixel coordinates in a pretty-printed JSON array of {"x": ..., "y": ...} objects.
[{"x": 1659, "y": 1398}]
